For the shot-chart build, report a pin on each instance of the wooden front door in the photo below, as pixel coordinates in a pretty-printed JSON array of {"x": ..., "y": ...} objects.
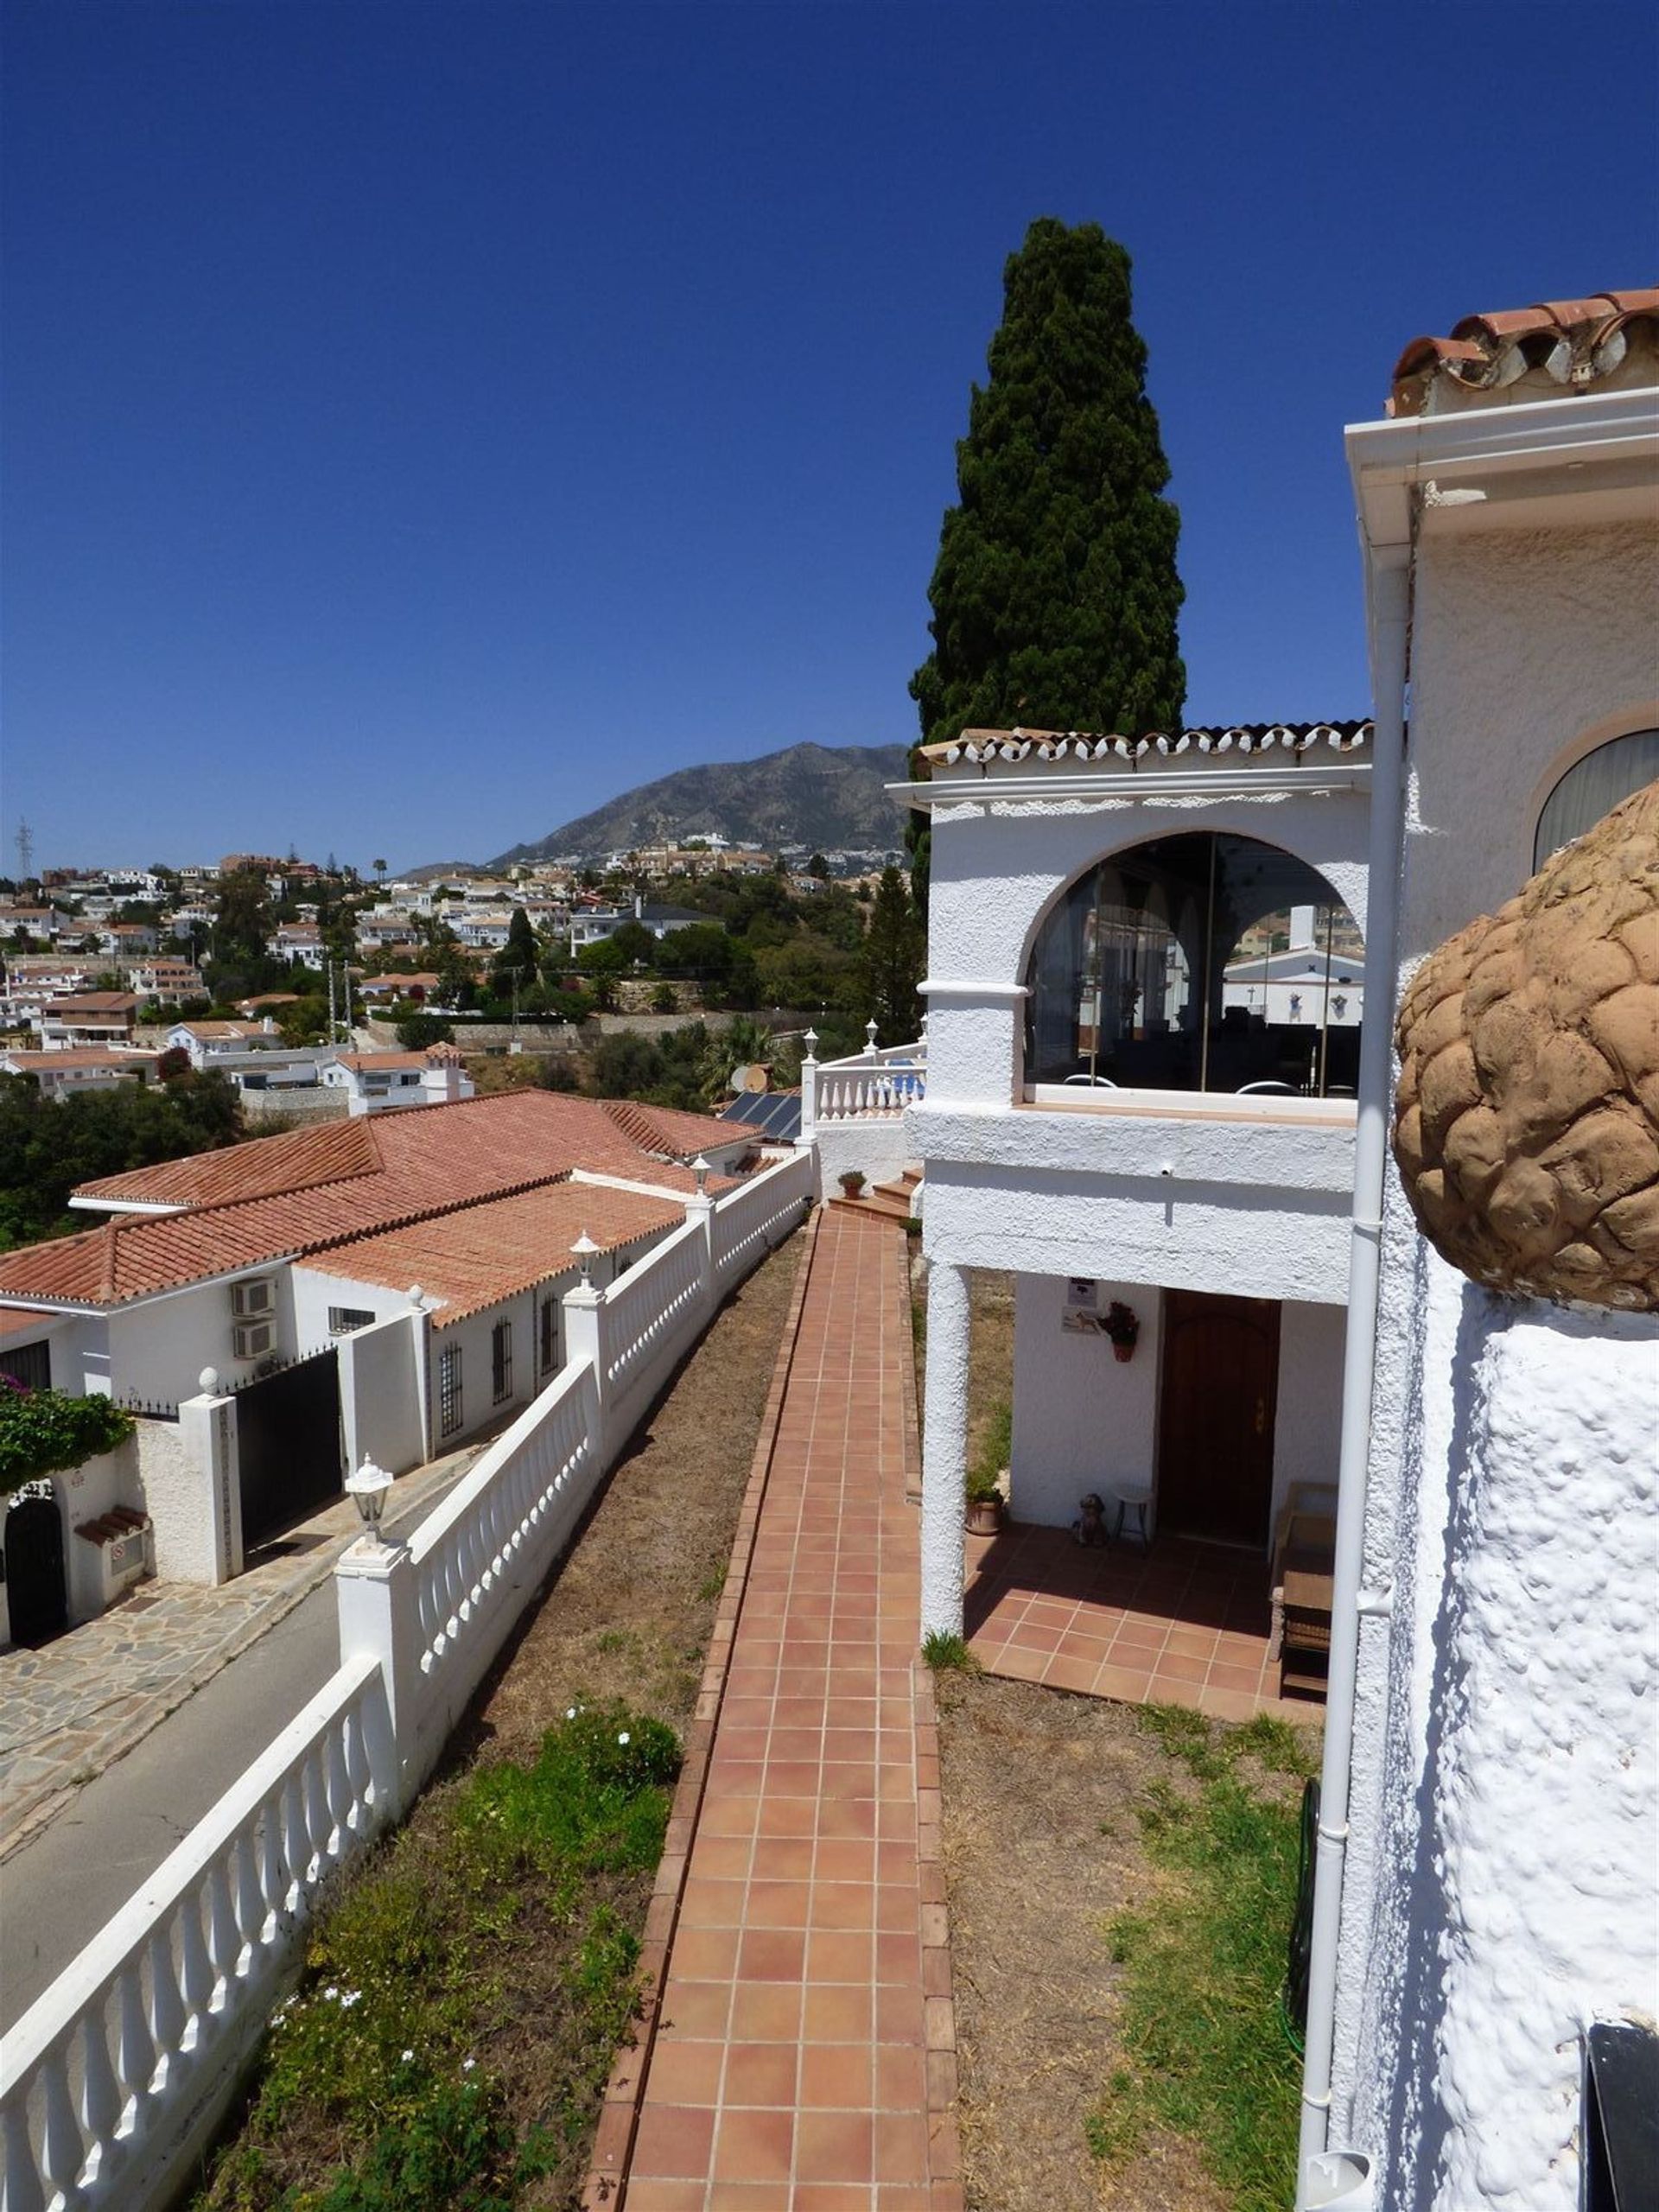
[{"x": 1215, "y": 1435}]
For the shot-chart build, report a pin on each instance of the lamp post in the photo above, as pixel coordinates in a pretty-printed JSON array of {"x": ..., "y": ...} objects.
[
  {"x": 584, "y": 1249},
  {"x": 700, "y": 1170},
  {"x": 367, "y": 1489}
]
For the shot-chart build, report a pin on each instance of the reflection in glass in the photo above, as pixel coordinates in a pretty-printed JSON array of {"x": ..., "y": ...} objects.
[
  {"x": 1593, "y": 787},
  {"x": 1198, "y": 963}
]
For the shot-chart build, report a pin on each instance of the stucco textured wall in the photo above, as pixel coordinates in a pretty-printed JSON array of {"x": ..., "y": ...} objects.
[
  {"x": 1081, "y": 1417},
  {"x": 1500, "y": 1820},
  {"x": 1515, "y": 1904},
  {"x": 1520, "y": 643}
]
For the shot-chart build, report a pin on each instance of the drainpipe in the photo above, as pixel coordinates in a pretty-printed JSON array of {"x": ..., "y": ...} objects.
[{"x": 1320, "y": 2180}]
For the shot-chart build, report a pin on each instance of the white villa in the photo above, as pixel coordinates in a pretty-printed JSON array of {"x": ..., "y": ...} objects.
[
  {"x": 1098, "y": 1109},
  {"x": 1132, "y": 1097}
]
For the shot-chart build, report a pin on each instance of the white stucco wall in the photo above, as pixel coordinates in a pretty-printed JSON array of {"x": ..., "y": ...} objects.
[
  {"x": 1257, "y": 1210},
  {"x": 1081, "y": 1416},
  {"x": 875, "y": 1148},
  {"x": 1524, "y": 644},
  {"x": 1501, "y": 1817},
  {"x": 1513, "y": 1877},
  {"x": 1307, "y": 1414},
  {"x": 381, "y": 1405},
  {"x": 159, "y": 1346}
]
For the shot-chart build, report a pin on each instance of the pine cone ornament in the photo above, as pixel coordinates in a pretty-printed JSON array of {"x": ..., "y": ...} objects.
[{"x": 1526, "y": 1117}]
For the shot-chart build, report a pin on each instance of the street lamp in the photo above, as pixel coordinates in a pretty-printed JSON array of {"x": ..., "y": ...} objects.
[
  {"x": 584, "y": 1248},
  {"x": 367, "y": 1491},
  {"x": 700, "y": 1170}
]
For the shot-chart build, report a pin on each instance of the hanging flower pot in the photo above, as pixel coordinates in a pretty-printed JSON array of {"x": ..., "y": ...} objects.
[{"x": 1123, "y": 1324}]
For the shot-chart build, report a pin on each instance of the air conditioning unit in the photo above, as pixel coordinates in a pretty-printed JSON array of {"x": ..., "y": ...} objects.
[
  {"x": 255, "y": 1296},
  {"x": 252, "y": 1339}
]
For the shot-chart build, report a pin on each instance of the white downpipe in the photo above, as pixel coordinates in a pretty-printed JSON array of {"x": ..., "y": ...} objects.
[{"x": 1370, "y": 1154}]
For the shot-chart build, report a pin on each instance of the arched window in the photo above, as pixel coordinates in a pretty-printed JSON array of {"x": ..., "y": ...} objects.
[
  {"x": 1198, "y": 963},
  {"x": 1593, "y": 787}
]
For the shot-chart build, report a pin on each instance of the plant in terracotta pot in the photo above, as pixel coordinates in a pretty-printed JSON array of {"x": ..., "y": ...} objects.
[
  {"x": 984, "y": 1516},
  {"x": 1123, "y": 1324},
  {"x": 852, "y": 1183}
]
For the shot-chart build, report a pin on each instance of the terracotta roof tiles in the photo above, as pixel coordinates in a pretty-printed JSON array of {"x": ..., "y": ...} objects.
[
  {"x": 1574, "y": 343},
  {"x": 426, "y": 1162},
  {"x": 480, "y": 1254}
]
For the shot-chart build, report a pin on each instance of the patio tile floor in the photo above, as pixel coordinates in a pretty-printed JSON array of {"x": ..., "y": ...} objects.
[
  {"x": 803, "y": 2057},
  {"x": 1184, "y": 1624}
]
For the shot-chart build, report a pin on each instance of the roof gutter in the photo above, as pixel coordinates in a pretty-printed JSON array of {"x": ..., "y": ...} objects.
[{"x": 1324, "y": 2174}]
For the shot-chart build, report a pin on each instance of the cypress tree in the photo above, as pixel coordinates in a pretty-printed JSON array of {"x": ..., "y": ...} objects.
[{"x": 1055, "y": 596}]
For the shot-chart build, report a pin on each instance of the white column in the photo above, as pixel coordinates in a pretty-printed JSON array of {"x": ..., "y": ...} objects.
[
  {"x": 944, "y": 1449},
  {"x": 584, "y": 1340},
  {"x": 196, "y": 1505},
  {"x": 374, "y": 1590},
  {"x": 700, "y": 1208}
]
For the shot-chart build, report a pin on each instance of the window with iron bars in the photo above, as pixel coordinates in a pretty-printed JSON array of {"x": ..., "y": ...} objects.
[
  {"x": 449, "y": 1413},
  {"x": 550, "y": 1337},
  {"x": 501, "y": 1360}
]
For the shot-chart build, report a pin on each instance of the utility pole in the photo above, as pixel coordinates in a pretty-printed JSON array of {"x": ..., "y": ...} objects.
[{"x": 334, "y": 1029}]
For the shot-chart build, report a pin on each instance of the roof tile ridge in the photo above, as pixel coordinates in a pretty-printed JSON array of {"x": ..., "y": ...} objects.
[{"x": 429, "y": 1213}]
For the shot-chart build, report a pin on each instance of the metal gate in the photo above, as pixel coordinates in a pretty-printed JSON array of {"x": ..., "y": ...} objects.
[
  {"x": 35, "y": 1589},
  {"x": 291, "y": 1457}
]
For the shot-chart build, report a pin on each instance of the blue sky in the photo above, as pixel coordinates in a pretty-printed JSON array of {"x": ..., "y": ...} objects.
[{"x": 423, "y": 421}]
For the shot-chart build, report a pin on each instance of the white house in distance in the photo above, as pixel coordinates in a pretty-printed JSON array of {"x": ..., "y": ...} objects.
[
  {"x": 1098, "y": 1115},
  {"x": 373, "y": 1082}
]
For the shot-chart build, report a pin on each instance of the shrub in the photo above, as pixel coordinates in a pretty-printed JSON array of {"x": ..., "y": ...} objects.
[{"x": 41, "y": 1430}]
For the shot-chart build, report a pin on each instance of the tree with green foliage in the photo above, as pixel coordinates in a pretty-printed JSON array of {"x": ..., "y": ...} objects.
[
  {"x": 520, "y": 955},
  {"x": 1055, "y": 596},
  {"x": 48, "y": 1145},
  {"x": 895, "y": 952}
]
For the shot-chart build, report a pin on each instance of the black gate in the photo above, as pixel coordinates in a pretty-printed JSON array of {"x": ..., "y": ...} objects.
[
  {"x": 35, "y": 1589},
  {"x": 289, "y": 1456}
]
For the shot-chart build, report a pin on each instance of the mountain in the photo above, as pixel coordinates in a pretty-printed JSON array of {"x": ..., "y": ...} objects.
[{"x": 820, "y": 796}]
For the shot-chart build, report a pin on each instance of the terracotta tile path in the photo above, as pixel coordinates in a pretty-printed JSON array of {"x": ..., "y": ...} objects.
[
  {"x": 1184, "y": 1624},
  {"x": 804, "y": 2053}
]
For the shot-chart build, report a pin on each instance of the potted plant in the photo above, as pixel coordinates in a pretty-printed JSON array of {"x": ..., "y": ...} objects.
[
  {"x": 852, "y": 1183},
  {"x": 984, "y": 1516},
  {"x": 1123, "y": 1324}
]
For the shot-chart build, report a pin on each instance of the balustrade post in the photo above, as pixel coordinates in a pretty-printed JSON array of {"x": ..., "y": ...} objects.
[
  {"x": 700, "y": 1208},
  {"x": 374, "y": 1589},
  {"x": 809, "y": 1091},
  {"x": 585, "y": 1338}
]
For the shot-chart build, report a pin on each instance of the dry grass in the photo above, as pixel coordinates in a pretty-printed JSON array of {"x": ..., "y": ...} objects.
[{"x": 1045, "y": 1797}]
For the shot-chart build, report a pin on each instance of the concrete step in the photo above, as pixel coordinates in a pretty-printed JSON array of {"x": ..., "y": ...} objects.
[
  {"x": 899, "y": 1192},
  {"x": 874, "y": 1206}
]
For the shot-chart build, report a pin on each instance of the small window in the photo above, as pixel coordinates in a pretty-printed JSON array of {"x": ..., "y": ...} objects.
[
  {"x": 1593, "y": 787},
  {"x": 449, "y": 1413},
  {"x": 342, "y": 1320},
  {"x": 30, "y": 1365},
  {"x": 549, "y": 1336},
  {"x": 501, "y": 1361}
]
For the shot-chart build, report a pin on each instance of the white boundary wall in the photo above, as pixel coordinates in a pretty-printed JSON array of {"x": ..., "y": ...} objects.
[{"x": 113, "y": 2080}]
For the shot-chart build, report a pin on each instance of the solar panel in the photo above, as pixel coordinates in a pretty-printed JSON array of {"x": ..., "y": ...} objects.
[{"x": 776, "y": 1115}]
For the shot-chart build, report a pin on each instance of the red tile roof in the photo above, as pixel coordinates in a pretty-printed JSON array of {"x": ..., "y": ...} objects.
[
  {"x": 1576, "y": 343},
  {"x": 295, "y": 1161},
  {"x": 664, "y": 1130},
  {"x": 95, "y": 1002},
  {"x": 483, "y": 1254},
  {"x": 406, "y": 1167}
]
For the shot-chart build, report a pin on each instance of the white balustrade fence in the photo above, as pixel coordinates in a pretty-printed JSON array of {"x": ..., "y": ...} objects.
[
  {"x": 749, "y": 1221},
  {"x": 113, "y": 2080}
]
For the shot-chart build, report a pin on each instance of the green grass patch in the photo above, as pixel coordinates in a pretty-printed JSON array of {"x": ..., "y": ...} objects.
[
  {"x": 1203, "y": 2054},
  {"x": 949, "y": 1654},
  {"x": 464, "y": 1991}
]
